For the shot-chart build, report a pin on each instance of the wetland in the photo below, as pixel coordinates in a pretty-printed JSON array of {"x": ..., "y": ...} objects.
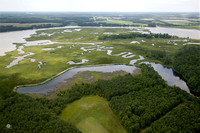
[{"x": 70, "y": 75}]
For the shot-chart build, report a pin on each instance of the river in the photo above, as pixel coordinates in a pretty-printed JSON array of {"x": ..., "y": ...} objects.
[
  {"x": 191, "y": 33},
  {"x": 8, "y": 38},
  {"x": 166, "y": 73}
]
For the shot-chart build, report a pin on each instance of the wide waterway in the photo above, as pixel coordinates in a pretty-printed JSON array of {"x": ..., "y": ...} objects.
[
  {"x": 191, "y": 33},
  {"x": 8, "y": 38}
]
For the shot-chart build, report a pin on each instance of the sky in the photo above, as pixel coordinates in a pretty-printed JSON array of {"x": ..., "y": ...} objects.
[{"x": 101, "y": 5}]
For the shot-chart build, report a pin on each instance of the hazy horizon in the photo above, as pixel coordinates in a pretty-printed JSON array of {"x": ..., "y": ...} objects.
[{"x": 99, "y": 6}]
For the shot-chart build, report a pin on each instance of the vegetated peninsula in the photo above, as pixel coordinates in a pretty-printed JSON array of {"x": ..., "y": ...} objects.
[{"x": 106, "y": 72}]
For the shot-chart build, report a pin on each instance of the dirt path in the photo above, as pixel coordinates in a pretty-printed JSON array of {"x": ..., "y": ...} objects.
[{"x": 143, "y": 130}]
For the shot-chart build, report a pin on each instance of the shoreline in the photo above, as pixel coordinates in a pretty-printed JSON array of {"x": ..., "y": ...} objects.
[{"x": 51, "y": 78}]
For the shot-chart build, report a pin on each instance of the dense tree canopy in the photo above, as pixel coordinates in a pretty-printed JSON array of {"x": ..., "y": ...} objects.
[
  {"x": 187, "y": 63},
  {"x": 25, "y": 114},
  {"x": 138, "y": 100},
  {"x": 134, "y": 35}
]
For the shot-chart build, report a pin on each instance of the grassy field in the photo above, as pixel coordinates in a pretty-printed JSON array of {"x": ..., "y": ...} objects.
[
  {"x": 121, "y": 22},
  {"x": 189, "y": 24},
  {"x": 92, "y": 114}
]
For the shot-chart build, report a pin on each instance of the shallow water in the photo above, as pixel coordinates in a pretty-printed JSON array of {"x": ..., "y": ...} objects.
[
  {"x": 191, "y": 33},
  {"x": 51, "y": 85},
  {"x": 175, "y": 20},
  {"x": 191, "y": 43},
  {"x": 18, "y": 58},
  {"x": 78, "y": 63},
  {"x": 39, "y": 42},
  {"x": 8, "y": 38},
  {"x": 123, "y": 54},
  {"x": 48, "y": 49},
  {"x": 168, "y": 75},
  {"x": 132, "y": 62},
  {"x": 133, "y": 42}
]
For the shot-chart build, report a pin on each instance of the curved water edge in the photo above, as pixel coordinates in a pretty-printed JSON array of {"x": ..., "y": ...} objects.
[
  {"x": 9, "y": 38},
  {"x": 168, "y": 75},
  {"x": 50, "y": 84},
  {"x": 44, "y": 87}
]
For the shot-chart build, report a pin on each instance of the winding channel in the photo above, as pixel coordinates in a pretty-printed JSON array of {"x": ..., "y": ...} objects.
[
  {"x": 50, "y": 85},
  {"x": 166, "y": 73}
]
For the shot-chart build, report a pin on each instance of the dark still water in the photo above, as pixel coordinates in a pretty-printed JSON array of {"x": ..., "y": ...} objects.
[
  {"x": 51, "y": 85},
  {"x": 168, "y": 75}
]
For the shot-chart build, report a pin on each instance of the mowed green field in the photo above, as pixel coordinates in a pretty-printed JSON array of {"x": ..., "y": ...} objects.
[{"x": 92, "y": 114}]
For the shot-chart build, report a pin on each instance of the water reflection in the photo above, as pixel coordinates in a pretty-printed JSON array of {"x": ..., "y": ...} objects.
[
  {"x": 168, "y": 75},
  {"x": 51, "y": 85},
  {"x": 191, "y": 33}
]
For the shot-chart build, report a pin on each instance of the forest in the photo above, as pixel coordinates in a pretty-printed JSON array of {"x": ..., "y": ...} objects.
[
  {"x": 137, "y": 100},
  {"x": 187, "y": 63},
  {"x": 135, "y": 35},
  {"x": 86, "y": 19},
  {"x": 16, "y": 28},
  {"x": 142, "y": 102},
  {"x": 25, "y": 114}
]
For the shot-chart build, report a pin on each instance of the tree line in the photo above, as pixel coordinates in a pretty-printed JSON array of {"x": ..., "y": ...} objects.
[
  {"x": 16, "y": 28},
  {"x": 25, "y": 114},
  {"x": 135, "y": 35},
  {"x": 187, "y": 63}
]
